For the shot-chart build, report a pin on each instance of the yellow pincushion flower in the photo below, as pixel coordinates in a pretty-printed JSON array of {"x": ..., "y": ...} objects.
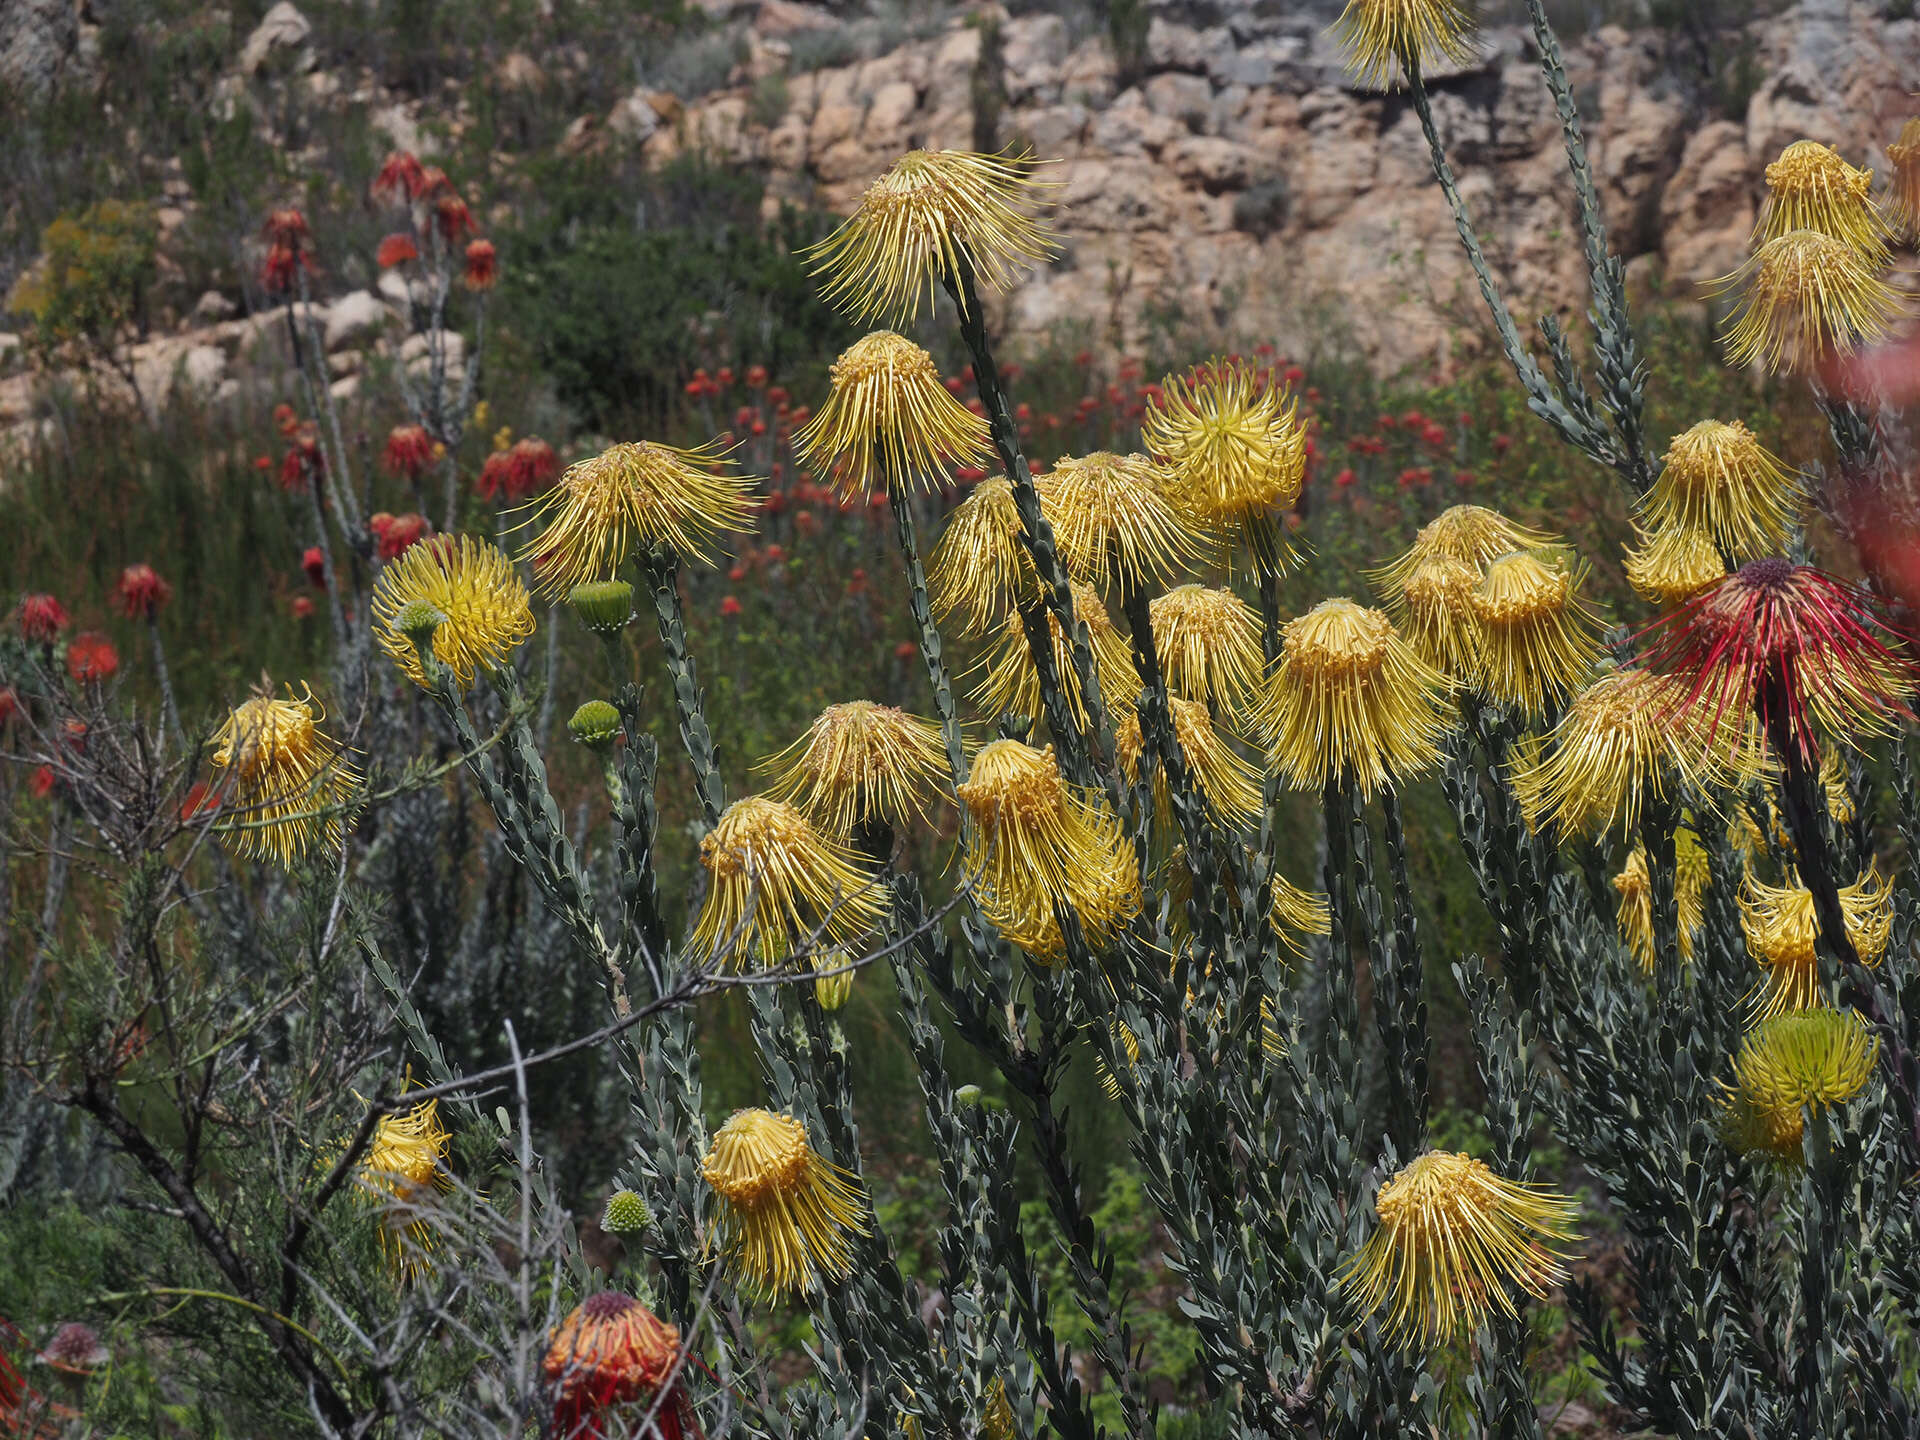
[
  {"x": 1804, "y": 298},
  {"x": 1471, "y": 534},
  {"x": 786, "y": 1215},
  {"x": 861, "y": 761},
  {"x": 285, "y": 774},
  {"x": 932, "y": 214},
  {"x": 1230, "y": 785},
  {"x": 980, "y": 567},
  {"x": 1453, "y": 1236},
  {"x": 1383, "y": 36},
  {"x": 1781, "y": 931},
  {"x": 1539, "y": 637},
  {"x": 773, "y": 880},
  {"x": 1626, "y": 736},
  {"x": 1672, "y": 565},
  {"x": 1037, "y": 842},
  {"x": 486, "y": 610},
  {"x": 1787, "y": 1064},
  {"x": 631, "y": 496},
  {"x": 889, "y": 416},
  {"x": 1350, "y": 700},
  {"x": 1811, "y": 188},
  {"x": 1904, "y": 198},
  {"x": 1009, "y": 679},
  {"x": 403, "y": 1167},
  {"x": 1209, "y": 645},
  {"x": 1234, "y": 446},
  {"x": 1718, "y": 478},
  {"x": 1634, "y": 886},
  {"x": 1434, "y": 610},
  {"x": 1112, "y": 520}
]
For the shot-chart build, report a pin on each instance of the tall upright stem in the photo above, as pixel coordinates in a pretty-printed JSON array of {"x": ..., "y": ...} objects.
[
  {"x": 930, "y": 649},
  {"x": 663, "y": 570}
]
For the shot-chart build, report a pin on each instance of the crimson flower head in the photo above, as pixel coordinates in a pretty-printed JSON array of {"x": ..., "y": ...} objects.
[
  {"x": 302, "y": 608},
  {"x": 531, "y": 464},
  {"x": 729, "y": 606},
  {"x": 396, "y": 532},
  {"x": 433, "y": 180},
  {"x": 451, "y": 214},
  {"x": 41, "y": 619},
  {"x": 141, "y": 592},
  {"x": 493, "y": 480},
  {"x": 614, "y": 1352},
  {"x": 284, "y": 418},
  {"x": 282, "y": 267},
  {"x": 1804, "y": 652},
  {"x": 396, "y": 250},
  {"x": 42, "y": 782},
  {"x": 9, "y": 704},
  {"x": 288, "y": 228},
  {"x": 483, "y": 265},
  {"x": 409, "y": 451},
  {"x": 91, "y": 659},
  {"x": 401, "y": 177},
  {"x": 315, "y": 564}
]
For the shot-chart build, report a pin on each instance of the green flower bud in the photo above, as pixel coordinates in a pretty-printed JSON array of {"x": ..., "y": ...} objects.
[
  {"x": 832, "y": 990},
  {"x": 604, "y": 606},
  {"x": 417, "y": 620},
  {"x": 627, "y": 1214},
  {"x": 595, "y": 723}
]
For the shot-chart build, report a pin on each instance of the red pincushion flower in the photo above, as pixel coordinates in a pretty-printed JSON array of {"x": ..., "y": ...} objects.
[
  {"x": 286, "y": 227},
  {"x": 483, "y": 265},
  {"x": 201, "y": 798},
  {"x": 493, "y": 480},
  {"x": 433, "y": 180},
  {"x": 315, "y": 564},
  {"x": 281, "y": 267},
  {"x": 905, "y": 650},
  {"x": 304, "y": 459},
  {"x": 409, "y": 451},
  {"x": 454, "y": 219},
  {"x": 401, "y": 177},
  {"x": 531, "y": 463},
  {"x": 613, "y": 1351},
  {"x": 396, "y": 532},
  {"x": 9, "y": 703},
  {"x": 91, "y": 659},
  {"x": 396, "y": 250},
  {"x": 1804, "y": 652},
  {"x": 302, "y": 608},
  {"x": 41, "y": 618},
  {"x": 729, "y": 607},
  {"x": 141, "y": 592}
]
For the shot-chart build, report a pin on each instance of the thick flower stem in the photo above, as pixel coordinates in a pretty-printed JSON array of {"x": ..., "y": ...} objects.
[
  {"x": 930, "y": 647},
  {"x": 1035, "y": 529},
  {"x": 1657, "y": 824},
  {"x": 663, "y": 570},
  {"x": 1399, "y": 990},
  {"x": 169, "y": 708},
  {"x": 1822, "y": 1208}
]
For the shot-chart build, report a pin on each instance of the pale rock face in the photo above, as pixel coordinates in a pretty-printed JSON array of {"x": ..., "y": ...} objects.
[{"x": 355, "y": 318}]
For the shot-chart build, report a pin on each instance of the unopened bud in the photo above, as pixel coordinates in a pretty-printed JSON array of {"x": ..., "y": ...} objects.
[
  {"x": 627, "y": 1214},
  {"x": 604, "y": 606},
  {"x": 595, "y": 723}
]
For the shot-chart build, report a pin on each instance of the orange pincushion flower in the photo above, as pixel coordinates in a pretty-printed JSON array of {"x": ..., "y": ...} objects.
[
  {"x": 401, "y": 177},
  {"x": 483, "y": 265},
  {"x": 91, "y": 659},
  {"x": 451, "y": 214},
  {"x": 612, "y": 1351},
  {"x": 396, "y": 250},
  {"x": 409, "y": 451},
  {"x": 141, "y": 592}
]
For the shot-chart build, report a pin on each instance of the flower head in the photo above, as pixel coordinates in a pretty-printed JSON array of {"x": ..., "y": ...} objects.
[
  {"x": 1806, "y": 1058},
  {"x": 1434, "y": 609},
  {"x": 401, "y": 177},
  {"x": 889, "y": 418},
  {"x": 91, "y": 658},
  {"x": 1624, "y": 737},
  {"x": 773, "y": 881},
  {"x": 286, "y": 778},
  {"x": 1634, "y": 886},
  {"x": 595, "y": 724},
  {"x": 1539, "y": 638},
  {"x": 1009, "y": 680},
  {"x": 612, "y": 1352},
  {"x": 1471, "y": 534},
  {"x": 1789, "y": 645},
  {"x": 861, "y": 761},
  {"x": 141, "y": 592},
  {"x": 1350, "y": 701},
  {"x": 403, "y": 1167},
  {"x": 1113, "y": 521},
  {"x": 1905, "y": 196},
  {"x": 1232, "y": 442},
  {"x": 1209, "y": 645},
  {"x": 631, "y": 495},
  {"x": 626, "y": 1213},
  {"x": 1717, "y": 478},
  {"x": 1383, "y": 36},
  {"x": 1804, "y": 298},
  {"x": 1673, "y": 564},
  {"x": 786, "y": 1214},
  {"x": 1811, "y": 188},
  {"x": 483, "y": 266},
  {"x": 980, "y": 567},
  {"x": 409, "y": 451},
  {"x": 932, "y": 215},
  {"x": 1231, "y": 786},
  {"x": 1453, "y": 1236},
  {"x": 41, "y": 618},
  {"x": 396, "y": 250},
  {"x": 486, "y": 610},
  {"x": 1038, "y": 843},
  {"x": 1781, "y": 931}
]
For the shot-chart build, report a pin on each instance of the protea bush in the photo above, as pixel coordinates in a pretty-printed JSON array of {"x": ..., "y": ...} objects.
[{"x": 1692, "y": 827}]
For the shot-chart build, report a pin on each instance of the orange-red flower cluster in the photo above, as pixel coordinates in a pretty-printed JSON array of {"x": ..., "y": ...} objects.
[
  {"x": 396, "y": 250},
  {"x": 91, "y": 658},
  {"x": 483, "y": 265},
  {"x": 614, "y": 1352},
  {"x": 141, "y": 592},
  {"x": 517, "y": 471},
  {"x": 394, "y": 533}
]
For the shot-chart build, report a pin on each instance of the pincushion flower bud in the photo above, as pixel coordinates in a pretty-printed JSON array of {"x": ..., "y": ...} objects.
[
  {"x": 1781, "y": 930},
  {"x": 1209, "y": 645},
  {"x": 861, "y": 762},
  {"x": 786, "y": 1215},
  {"x": 1809, "y": 1059},
  {"x": 1453, "y": 1238},
  {"x": 833, "y": 991},
  {"x": 1350, "y": 702},
  {"x": 934, "y": 214},
  {"x": 1114, "y": 523},
  {"x": 287, "y": 777},
  {"x": 1229, "y": 784},
  {"x": 627, "y": 498},
  {"x": 403, "y": 1168},
  {"x": 1010, "y": 681},
  {"x": 1038, "y": 843},
  {"x": 486, "y": 612},
  {"x": 1538, "y": 636},
  {"x": 626, "y": 1214},
  {"x": 594, "y": 724},
  {"x": 1806, "y": 298},
  {"x": 888, "y": 419},
  {"x": 774, "y": 881},
  {"x": 607, "y": 1363},
  {"x": 1811, "y": 188},
  {"x": 603, "y": 606},
  {"x": 1717, "y": 478},
  {"x": 141, "y": 592}
]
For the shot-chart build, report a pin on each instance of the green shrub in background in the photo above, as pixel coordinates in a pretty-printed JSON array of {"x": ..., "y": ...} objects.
[{"x": 85, "y": 299}]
